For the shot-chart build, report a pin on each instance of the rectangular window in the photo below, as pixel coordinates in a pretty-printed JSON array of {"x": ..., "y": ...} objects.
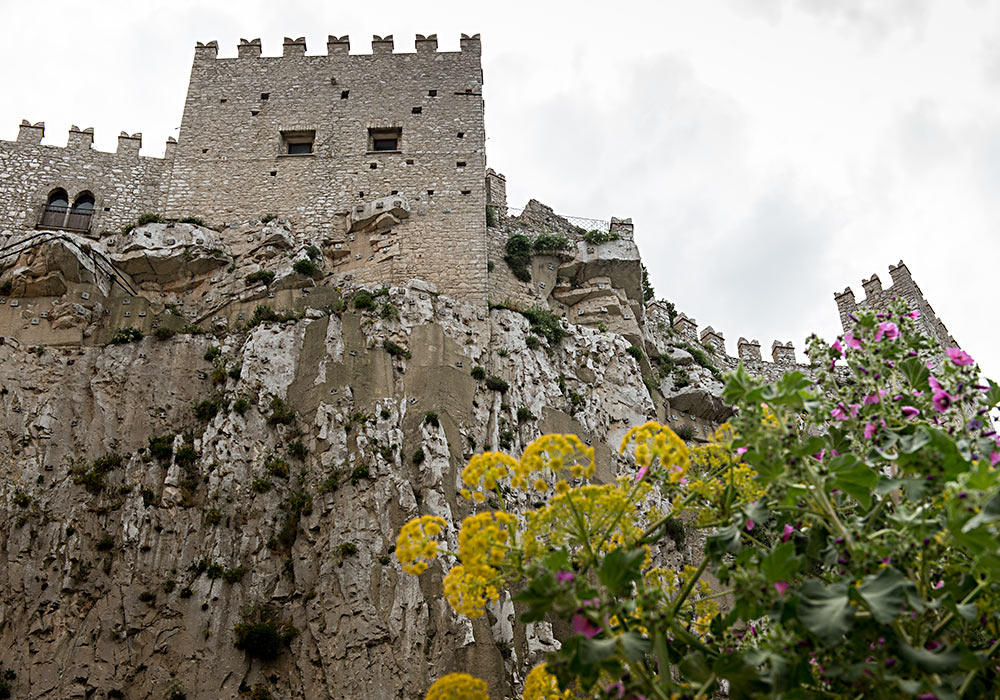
[
  {"x": 297, "y": 143},
  {"x": 385, "y": 139}
]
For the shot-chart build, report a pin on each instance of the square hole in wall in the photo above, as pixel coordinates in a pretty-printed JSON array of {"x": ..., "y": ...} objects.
[
  {"x": 361, "y": 194},
  {"x": 373, "y": 166},
  {"x": 430, "y": 192},
  {"x": 466, "y": 191},
  {"x": 409, "y": 161},
  {"x": 416, "y": 110},
  {"x": 274, "y": 173},
  {"x": 204, "y": 150},
  {"x": 254, "y": 112},
  {"x": 460, "y": 164},
  {"x": 223, "y": 99},
  {"x": 385, "y": 139},
  {"x": 432, "y": 93},
  {"x": 344, "y": 94},
  {"x": 265, "y": 96},
  {"x": 107, "y": 208},
  {"x": 297, "y": 143},
  {"x": 394, "y": 192}
]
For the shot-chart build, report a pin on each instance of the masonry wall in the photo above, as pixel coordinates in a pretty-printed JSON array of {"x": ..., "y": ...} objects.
[
  {"x": 124, "y": 184},
  {"x": 229, "y": 166}
]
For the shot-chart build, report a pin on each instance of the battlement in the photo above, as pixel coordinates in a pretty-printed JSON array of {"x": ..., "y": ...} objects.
[
  {"x": 82, "y": 140},
  {"x": 338, "y": 46}
]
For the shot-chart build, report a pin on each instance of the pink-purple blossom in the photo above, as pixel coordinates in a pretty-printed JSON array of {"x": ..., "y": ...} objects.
[
  {"x": 942, "y": 401},
  {"x": 615, "y": 689},
  {"x": 914, "y": 314},
  {"x": 750, "y": 524},
  {"x": 642, "y": 472},
  {"x": 842, "y": 412},
  {"x": 852, "y": 342},
  {"x": 781, "y": 587},
  {"x": 565, "y": 576},
  {"x": 870, "y": 430},
  {"x": 838, "y": 348},
  {"x": 960, "y": 357},
  {"x": 786, "y": 533},
  {"x": 582, "y": 625},
  {"x": 911, "y": 412},
  {"x": 741, "y": 450},
  {"x": 886, "y": 329}
]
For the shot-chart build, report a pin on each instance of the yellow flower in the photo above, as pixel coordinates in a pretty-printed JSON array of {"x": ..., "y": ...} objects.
[
  {"x": 416, "y": 545},
  {"x": 542, "y": 685},
  {"x": 550, "y": 454},
  {"x": 541, "y": 485},
  {"x": 652, "y": 441},
  {"x": 482, "y": 541},
  {"x": 486, "y": 470},
  {"x": 468, "y": 591},
  {"x": 458, "y": 686}
]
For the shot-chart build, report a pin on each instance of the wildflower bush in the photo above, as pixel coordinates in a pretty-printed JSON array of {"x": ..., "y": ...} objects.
[{"x": 852, "y": 540}]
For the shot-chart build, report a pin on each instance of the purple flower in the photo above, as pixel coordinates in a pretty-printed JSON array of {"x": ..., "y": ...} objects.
[
  {"x": 842, "y": 412},
  {"x": 565, "y": 576},
  {"x": 750, "y": 524},
  {"x": 914, "y": 314},
  {"x": 942, "y": 401},
  {"x": 934, "y": 383},
  {"x": 910, "y": 412},
  {"x": 851, "y": 341},
  {"x": 616, "y": 689},
  {"x": 780, "y": 587},
  {"x": 870, "y": 429},
  {"x": 838, "y": 348},
  {"x": 581, "y": 625},
  {"x": 928, "y": 696},
  {"x": 886, "y": 329},
  {"x": 641, "y": 473},
  {"x": 741, "y": 450},
  {"x": 874, "y": 398},
  {"x": 994, "y": 458},
  {"x": 786, "y": 533},
  {"x": 960, "y": 357}
]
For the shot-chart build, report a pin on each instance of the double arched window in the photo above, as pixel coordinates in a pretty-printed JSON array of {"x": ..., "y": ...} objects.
[{"x": 59, "y": 214}]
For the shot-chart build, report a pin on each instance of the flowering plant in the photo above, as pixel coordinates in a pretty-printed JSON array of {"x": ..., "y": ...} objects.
[{"x": 852, "y": 546}]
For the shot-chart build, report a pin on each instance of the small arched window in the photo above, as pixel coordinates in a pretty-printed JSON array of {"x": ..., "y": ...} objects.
[
  {"x": 56, "y": 208},
  {"x": 79, "y": 215}
]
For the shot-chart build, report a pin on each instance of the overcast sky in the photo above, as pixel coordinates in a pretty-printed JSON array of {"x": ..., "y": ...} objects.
[{"x": 770, "y": 152}]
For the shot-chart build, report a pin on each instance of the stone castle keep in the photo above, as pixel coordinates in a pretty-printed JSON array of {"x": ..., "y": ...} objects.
[{"x": 229, "y": 375}]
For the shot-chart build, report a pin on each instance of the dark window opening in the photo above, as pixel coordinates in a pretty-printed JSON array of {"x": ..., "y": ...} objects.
[
  {"x": 204, "y": 150},
  {"x": 432, "y": 93},
  {"x": 223, "y": 100},
  {"x": 430, "y": 192},
  {"x": 361, "y": 195},
  {"x": 417, "y": 110},
  {"x": 373, "y": 166},
  {"x": 254, "y": 112},
  {"x": 56, "y": 206},
  {"x": 460, "y": 164},
  {"x": 384, "y": 139},
  {"x": 107, "y": 208},
  {"x": 274, "y": 173},
  {"x": 265, "y": 96},
  {"x": 461, "y": 134},
  {"x": 466, "y": 191},
  {"x": 79, "y": 215},
  {"x": 297, "y": 143},
  {"x": 344, "y": 94},
  {"x": 409, "y": 161},
  {"x": 394, "y": 192}
]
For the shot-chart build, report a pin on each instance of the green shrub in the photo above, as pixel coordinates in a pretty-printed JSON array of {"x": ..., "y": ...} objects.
[
  {"x": 21, "y": 499},
  {"x": 261, "y": 485},
  {"x": 241, "y": 405},
  {"x": 192, "y": 329},
  {"x": 143, "y": 220},
  {"x": 187, "y": 456},
  {"x": 497, "y": 384},
  {"x": 177, "y": 693},
  {"x": 478, "y": 373},
  {"x": 492, "y": 215},
  {"x": 685, "y": 432},
  {"x": 518, "y": 256},
  {"x": 595, "y": 237},
  {"x": 233, "y": 575},
  {"x": 260, "y": 277},
  {"x": 213, "y": 352},
  {"x": 524, "y": 415},
  {"x": 431, "y": 418},
  {"x": 576, "y": 401},
  {"x": 647, "y": 287},
  {"x": 268, "y": 218},
  {"x": 418, "y": 456},
  {"x": 635, "y": 352},
  {"x": 262, "y": 313},
  {"x": 550, "y": 243},
  {"x": 276, "y": 467},
  {"x": 92, "y": 479},
  {"x": 389, "y": 312},
  {"x": 506, "y": 438},
  {"x": 544, "y": 323},
  {"x": 148, "y": 597},
  {"x": 395, "y": 350},
  {"x": 532, "y": 342},
  {"x": 235, "y": 370},
  {"x": 281, "y": 414},
  {"x": 126, "y": 335},
  {"x": 192, "y": 220},
  {"x": 105, "y": 544},
  {"x": 261, "y": 634},
  {"x": 332, "y": 482},
  {"x": 314, "y": 253},
  {"x": 163, "y": 333},
  {"x": 346, "y": 549},
  {"x": 701, "y": 357},
  {"x": 213, "y": 516},
  {"x": 297, "y": 450},
  {"x": 363, "y": 300},
  {"x": 206, "y": 410},
  {"x": 161, "y": 447},
  {"x": 306, "y": 267},
  {"x": 358, "y": 473},
  {"x": 680, "y": 378}
]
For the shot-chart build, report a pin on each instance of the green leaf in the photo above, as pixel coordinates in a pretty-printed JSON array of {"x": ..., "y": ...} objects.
[
  {"x": 908, "y": 444},
  {"x": 634, "y": 645},
  {"x": 884, "y": 593},
  {"x": 757, "y": 511},
  {"x": 781, "y": 564},
  {"x": 694, "y": 668},
  {"x": 825, "y": 610},
  {"x": 620, "y": 568},
  {"x": 993, "y": 395},
  {"x": 989, "y": 514},
  {"x": 725, "y": 539},
  {"x": 853, "y": 477},
  {"x": 538, "y": 596},
  {"x": 930, "y": 661},
  {"x": 594, "y": 651},
  {"x": 916, "y": 372}
]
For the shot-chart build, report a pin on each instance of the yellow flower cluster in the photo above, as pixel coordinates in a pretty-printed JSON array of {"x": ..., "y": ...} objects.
[
  {"x": 417, "y": 544},
  {"x": 584, "y": 513},
  {"x": 545, "y": 457},
  {"x": 458, "y": 686},
  {"x": 653, "y": 441},
  {"x": 539, "y": 684},
  {"x": 467, "y": 591},
  {"x": 697, "y": 608},
  {"x": 482, "y": 541}
]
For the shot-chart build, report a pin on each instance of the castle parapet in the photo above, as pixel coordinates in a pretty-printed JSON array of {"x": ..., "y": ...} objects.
[
  {"x": 622, "y": 227},
  {"x": 294, "y": 47},
  {"x": 846, "y": 302},
  {"x": 171, "y": 148},
  {"x": 82, "y": 139},
  {"x": 873, "y": 287},
  {"x": 249, "y": 49},
  {"x": 686, "y": 327},
  {"x": 382, "y": 45},
  {"x": 900, "y": 274},
  {"x": 206, "y": 51},
  {"x": 471, "y": 43},
  {"x": 338, "y": 44},
  {"x": 30, "y": 133},
  {"x": 783, "y": 353},
  {"x": 129, "y": 145},
  {"x": 713, "y": 339},
  {"x": 426, "y": 44},
  {"x": 748, "y": 349},
  {"x": 496, "y": 191}
]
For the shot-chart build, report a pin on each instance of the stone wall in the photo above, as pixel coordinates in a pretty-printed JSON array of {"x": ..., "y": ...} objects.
[
  {"x": 124, "y": 184},
  {"x": 232, "y": 162}
]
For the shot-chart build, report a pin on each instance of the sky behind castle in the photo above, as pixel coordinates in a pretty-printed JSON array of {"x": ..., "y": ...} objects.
[{"x": 770, "y": 152}]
